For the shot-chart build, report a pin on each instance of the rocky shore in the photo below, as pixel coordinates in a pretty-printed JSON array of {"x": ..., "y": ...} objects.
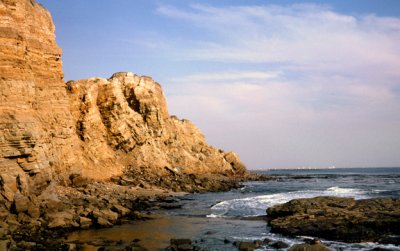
[
  {"x": 41, "y": 222},
  {"x": 336, "y": 218}
]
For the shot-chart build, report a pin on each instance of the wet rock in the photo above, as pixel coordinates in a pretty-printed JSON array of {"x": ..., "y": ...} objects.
[
  {"x": 85, "y": 223},
  {"x": 337, "y": 218},
  {"x": 247, "y": 245},
  {"x": 105, "y": 214},
  {"x": 121, "y": 210},
  {"x": 60, "y": 219},
  {"x": 267, "y": 241},
  {"x": 309, "y": 247},
  {"x": 279, "y": 245},
  {"x": 181, "y": 245},
  {"x": 103, "y": 222},
  {"x": 139, "y": 216}
]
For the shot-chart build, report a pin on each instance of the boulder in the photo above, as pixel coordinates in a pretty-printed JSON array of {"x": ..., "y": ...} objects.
[
  {"x": 279, "y": 245},
  {"x": 337, "y": 218},
  {"x": 247, "y": 245},
  {"x": 106, "y": 214},
  {"x": 308, "y": 247},
  {"x": 121, "y": 210},
  {"x": 103, "y": 222},
  {"x": 85, "y": 223},
  {"x": 60, "y": 219},
  {"x": 181, "y": 245}
]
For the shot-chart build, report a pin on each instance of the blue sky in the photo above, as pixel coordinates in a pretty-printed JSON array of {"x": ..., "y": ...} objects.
[{"x": 286, "y": 84}]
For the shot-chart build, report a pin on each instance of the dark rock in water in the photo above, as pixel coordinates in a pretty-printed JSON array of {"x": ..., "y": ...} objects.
[
  {"x": 390, "y": 240},
  {"x": 279, "y": 245},
  {"x": 247, "y": 245},
  {"x": 309, "y": 247},
  {"x": 267, "y": 241},
  {"x": 337, "y": 218},
  {"x": 182, "y": 245},
  {"x": 178, "y": 242}
]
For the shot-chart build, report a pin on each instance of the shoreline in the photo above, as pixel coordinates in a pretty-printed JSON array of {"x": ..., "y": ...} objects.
[
  {"x": 41, "y": 222},
  {"x": 112, "y": 207}
]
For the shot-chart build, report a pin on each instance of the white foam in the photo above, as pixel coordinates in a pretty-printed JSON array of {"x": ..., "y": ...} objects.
[
  {"x": 339, "y": 190},
  {"x": 254, "y": 206}
]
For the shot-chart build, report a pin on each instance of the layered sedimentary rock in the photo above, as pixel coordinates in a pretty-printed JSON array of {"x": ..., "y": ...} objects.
[
  {"x": 95, "y": 128},
  {"x": 126, "y": 117},
  {"x": 36, "y": 127}
]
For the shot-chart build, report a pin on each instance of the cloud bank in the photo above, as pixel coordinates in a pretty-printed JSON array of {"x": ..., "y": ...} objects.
[{"x": 290, "y": 86}]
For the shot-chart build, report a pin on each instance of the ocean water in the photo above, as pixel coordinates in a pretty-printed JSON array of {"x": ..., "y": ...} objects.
[{"x": 215, "y": 220}]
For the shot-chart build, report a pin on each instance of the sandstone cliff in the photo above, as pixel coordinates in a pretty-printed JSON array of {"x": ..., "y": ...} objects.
[
  {"x": 96, "y": 128},
  {"x": 36, "y": 127},
  {"x": 125, "y": 119}
]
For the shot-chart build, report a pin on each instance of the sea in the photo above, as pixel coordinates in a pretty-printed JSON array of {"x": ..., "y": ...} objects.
[{"x": 214, "y": 221}]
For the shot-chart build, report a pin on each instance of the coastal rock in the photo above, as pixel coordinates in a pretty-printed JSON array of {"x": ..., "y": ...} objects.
[
  {"x": 181, "y": 245},
  {"x": 335, "y": 218},
  {"x": 89, "y": 130},
  {"x": 85, "y": 223},
  {"x": 124, "y": 120},
  {"x": 247, "y": 245},
  {"x": 36, "y": 128},
  {"x": 308, "y": 247},
  {"x": 84, "y": 130}
]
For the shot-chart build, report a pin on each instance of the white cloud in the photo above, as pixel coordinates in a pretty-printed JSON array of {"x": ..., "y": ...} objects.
[
  {"x": 304, "y": 35},
  {"x": 332, "y": 101},
  {"x": 227, "y": 76}
]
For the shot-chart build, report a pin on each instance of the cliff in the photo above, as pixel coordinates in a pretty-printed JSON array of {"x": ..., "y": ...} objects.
[
  {"x": 97, "y": 128},
  {"x": 36, "y": 128},
  {"x": 124, "y": 120}
]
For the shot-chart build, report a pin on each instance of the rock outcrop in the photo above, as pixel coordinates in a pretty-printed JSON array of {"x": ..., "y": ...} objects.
[
  {"x": 336, "y": 218},
  {"x": 36, "y": 128},
  {"x": 95, "y": 129},
  {"x": 125, "y": 120}
]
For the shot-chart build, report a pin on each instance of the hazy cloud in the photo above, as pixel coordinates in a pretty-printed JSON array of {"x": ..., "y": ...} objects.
[{"x": 327, "y": 94}]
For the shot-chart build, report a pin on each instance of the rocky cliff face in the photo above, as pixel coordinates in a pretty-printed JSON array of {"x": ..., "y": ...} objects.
[
  {"x": 125, "y": 118},
  {"x": 96, "y": 128},
  {"x": 36, "y": 127}
]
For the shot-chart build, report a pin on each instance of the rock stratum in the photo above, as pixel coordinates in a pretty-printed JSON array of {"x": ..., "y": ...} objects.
[{"x": 96, "y": 129}]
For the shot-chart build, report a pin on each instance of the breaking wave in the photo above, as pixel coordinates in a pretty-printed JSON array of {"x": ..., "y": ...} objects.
[{"x": 256, "y": 206}]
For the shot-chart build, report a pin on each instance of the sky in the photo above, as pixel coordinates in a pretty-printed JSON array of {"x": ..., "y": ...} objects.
[{"x": 285, "y": 84}]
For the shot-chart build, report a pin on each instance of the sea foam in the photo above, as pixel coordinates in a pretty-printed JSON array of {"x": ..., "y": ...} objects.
[{"x": 256, "y": 206}]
